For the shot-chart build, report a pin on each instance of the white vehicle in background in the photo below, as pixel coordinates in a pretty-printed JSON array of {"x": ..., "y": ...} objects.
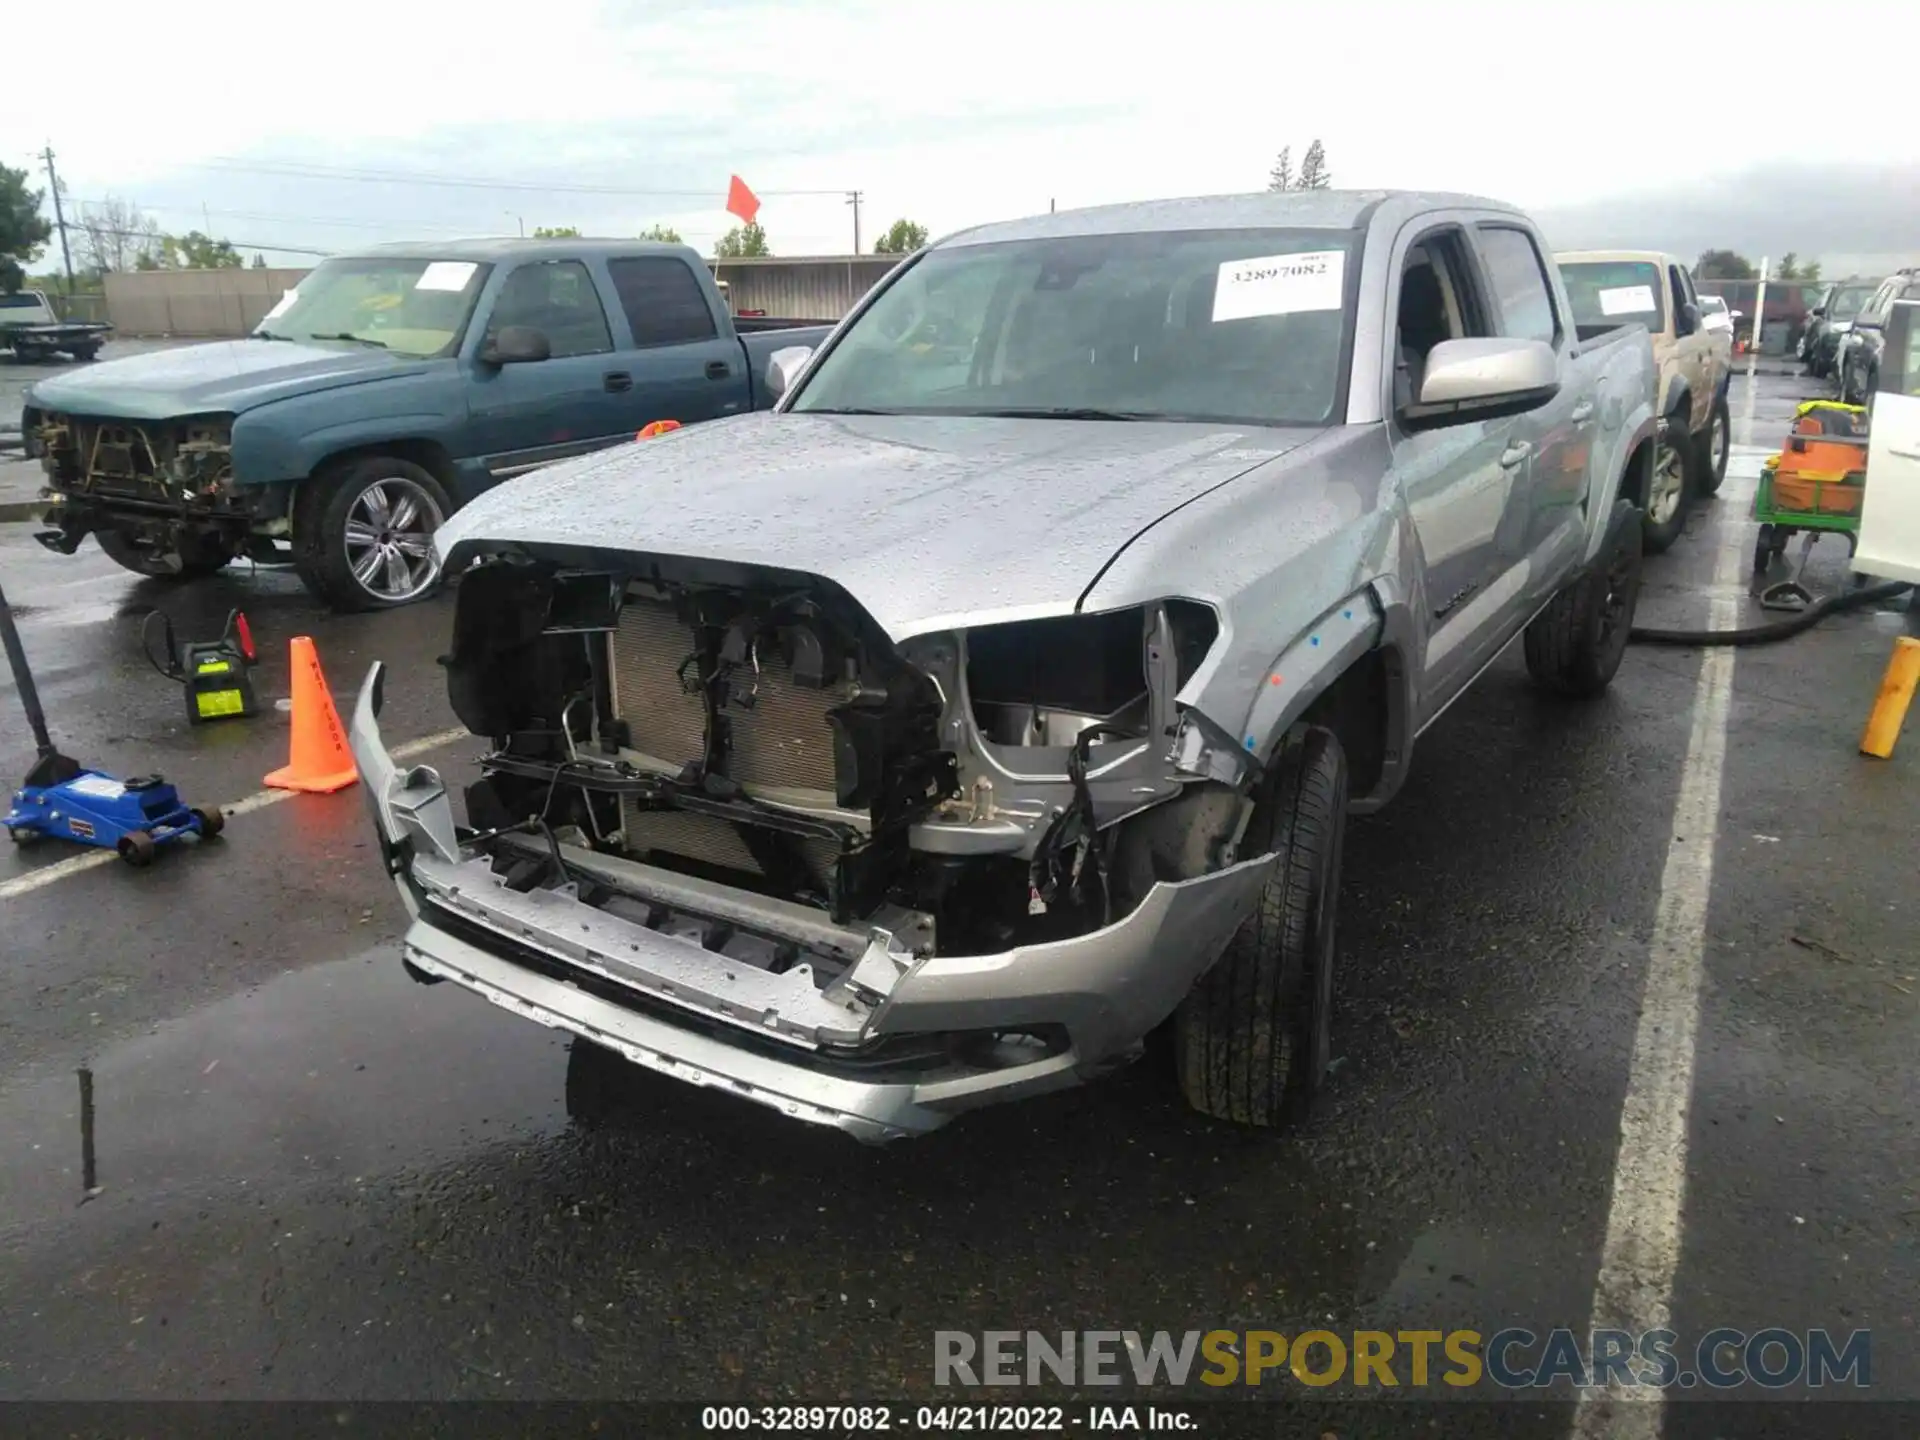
[
  {"x": 30, "y": 328},
  {"x": 1714, "y": 315}
]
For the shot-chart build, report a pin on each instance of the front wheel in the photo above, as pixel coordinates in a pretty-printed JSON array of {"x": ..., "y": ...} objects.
[
  {"x": 1253, "y": 1041},
  {"x": 1670, "y": 491},
  {"x": 1715, "y": 446},
  {"x": 1575, "y": 645},
  {"x": 363, "y": 533},
  {"x": 192, "y": 557}
]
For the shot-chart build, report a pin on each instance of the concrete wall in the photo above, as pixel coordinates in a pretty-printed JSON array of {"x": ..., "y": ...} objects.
[
  {"x": 208, "y": 304},
  {"x": 199, "y": 304}
]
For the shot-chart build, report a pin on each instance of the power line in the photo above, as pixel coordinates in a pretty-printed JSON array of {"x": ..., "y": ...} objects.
[{"x": 301, "y": 170}]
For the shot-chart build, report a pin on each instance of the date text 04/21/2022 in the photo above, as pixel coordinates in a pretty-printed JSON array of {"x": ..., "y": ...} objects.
[{"x": 1006, "y": 1419}]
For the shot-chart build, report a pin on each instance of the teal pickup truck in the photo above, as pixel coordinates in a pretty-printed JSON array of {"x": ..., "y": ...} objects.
[{"x": 385, "y": 391}]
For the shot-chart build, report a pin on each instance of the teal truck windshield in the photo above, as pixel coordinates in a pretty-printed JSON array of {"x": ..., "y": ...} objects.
[
  {"x": 1243, "y": 327},
  {"x": 1605, "y": 293},
  {"x": 416, "y": 308}
]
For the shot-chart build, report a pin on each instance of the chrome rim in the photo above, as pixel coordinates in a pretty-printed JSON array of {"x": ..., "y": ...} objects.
[
  {"x": 1719, "y": 442},
  {"x": 389, "y": 539},
  {"x": 1663, "y": 502}
]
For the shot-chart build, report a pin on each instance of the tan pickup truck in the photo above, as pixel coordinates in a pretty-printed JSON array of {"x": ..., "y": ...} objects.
[{"x": 1610, "y": 288}]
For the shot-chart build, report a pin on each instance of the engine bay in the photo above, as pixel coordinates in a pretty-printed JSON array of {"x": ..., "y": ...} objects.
[{"x": 759, "y": 734}]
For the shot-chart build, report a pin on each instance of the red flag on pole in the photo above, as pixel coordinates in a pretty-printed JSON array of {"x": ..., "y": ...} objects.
[{"x": 741, "y": 201}]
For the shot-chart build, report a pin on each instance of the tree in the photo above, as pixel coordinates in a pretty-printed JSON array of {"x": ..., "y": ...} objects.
[
  {"x": 194, "y": 251},
  {"x": 1281, "y": 176},
  {"x": 664, "y": 233},
  {"x": 556, "y": 232},
  {"x": 903, "y": 239},
  {"x": 1722, "y": 265},
  {"x": 1313, "y": 169},
  {"x": 23, "y": 229},
  {"x": 117, "y": 235},
  {"x": 1792, "y": 269},
  {"x": 741, "y": 242}
]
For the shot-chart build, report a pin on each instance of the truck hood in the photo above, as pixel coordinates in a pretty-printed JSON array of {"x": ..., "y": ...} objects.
[
  {"x": 222, "y": 378},
  {"x": 929, "y": 522}
]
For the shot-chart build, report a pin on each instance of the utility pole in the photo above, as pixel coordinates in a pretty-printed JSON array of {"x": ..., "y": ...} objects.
[
  {"x": 853, "y": 199},
  {"x": 59, "y": 215}
]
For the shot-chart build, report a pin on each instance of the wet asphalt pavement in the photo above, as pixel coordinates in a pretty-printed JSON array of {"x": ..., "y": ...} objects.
[{"x": 318, "y": 1180}]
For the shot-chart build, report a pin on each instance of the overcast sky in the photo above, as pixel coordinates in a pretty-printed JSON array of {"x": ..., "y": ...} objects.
[{"x": 949, "y": 114}]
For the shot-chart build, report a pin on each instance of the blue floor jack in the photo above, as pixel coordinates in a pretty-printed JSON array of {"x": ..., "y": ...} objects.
[{"x": 134, "y": 817}]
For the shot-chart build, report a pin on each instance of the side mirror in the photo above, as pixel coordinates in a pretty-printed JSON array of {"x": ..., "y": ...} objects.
[
  {"x": 784, "y": 367},
  {"x": 1819, "y": 312},
  {"x": 1471, "y": 377},
  {"x": 516, "y": 345},
  {"x": 1686, "y": 320}
]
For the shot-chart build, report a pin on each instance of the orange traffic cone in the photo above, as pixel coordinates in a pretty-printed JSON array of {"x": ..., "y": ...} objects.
[{"x": 319, "y": 759}]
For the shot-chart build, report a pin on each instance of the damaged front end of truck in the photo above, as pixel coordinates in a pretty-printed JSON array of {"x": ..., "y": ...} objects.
[{"x": 731, "y": 830}]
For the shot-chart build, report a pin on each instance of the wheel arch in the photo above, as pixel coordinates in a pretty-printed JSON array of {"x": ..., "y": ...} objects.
[{"x": 429, "y": 455}]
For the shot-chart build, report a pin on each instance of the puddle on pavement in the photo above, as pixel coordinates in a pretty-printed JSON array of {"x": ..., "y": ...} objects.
[{"x": 345, "y": 1070}]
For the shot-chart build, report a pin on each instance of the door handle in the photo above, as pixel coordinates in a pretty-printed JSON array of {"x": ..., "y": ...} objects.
[
  {"x": 1583, "y": 412},
  {"x": 718, "y": 370},
  {"x": 618, "y": 381},
  {"x": 1515, "y": 453}
]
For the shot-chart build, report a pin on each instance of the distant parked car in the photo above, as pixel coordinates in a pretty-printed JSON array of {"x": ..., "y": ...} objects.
[
  {"x": 1861, "y": 353},
  {"x": 1714, "y": 315},
  {"x": 1828, "y": 323},
  {"x": 30, "y": 328}
]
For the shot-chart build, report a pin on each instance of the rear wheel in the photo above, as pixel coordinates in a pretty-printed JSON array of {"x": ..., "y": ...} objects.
[
  {"x": 1253, "y": 1041},
  {"x": 195, "y": 557},
  {"x": 136, "y": 848},
  {"x": 1575, "y": 645},
  {"x": 85, "y": 352},
  {"x": 1715, "y": 446},
  {"x": 212, "y": 821},
  {"x": 363, "y": 533}
]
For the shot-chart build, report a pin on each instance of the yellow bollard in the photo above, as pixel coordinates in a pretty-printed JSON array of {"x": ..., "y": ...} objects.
[{"x": 1890, "y": 705}]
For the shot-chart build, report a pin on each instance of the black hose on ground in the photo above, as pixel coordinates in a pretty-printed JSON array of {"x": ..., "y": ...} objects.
[{"x": 1778, "y": 629}]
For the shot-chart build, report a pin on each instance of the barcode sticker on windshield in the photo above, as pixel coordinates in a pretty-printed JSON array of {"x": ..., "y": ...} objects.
[
  {"x": 1279, "y": 284},
  {"x": 1627, "y": 300},
  {"x": 287, "y": 297},
  {"x": 446, "y": 275}
]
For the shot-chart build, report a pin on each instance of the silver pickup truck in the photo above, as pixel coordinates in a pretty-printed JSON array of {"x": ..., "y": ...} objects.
[{"x": 1000, "y": 696}]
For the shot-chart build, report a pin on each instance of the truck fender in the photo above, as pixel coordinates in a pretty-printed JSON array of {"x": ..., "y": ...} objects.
[
  {"x": 1679, "y": 399},
  {"x": 1363, "y": 624},
  {"x": 1613, "y": 482}
]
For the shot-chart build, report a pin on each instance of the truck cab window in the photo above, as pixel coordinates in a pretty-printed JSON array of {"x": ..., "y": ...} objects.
[
  {"x": 557, "y": 298},
  {"x": 664, "y": 303},
  {"x": 1519, "y": 284},
  {"x": 1433, "y": 307}
]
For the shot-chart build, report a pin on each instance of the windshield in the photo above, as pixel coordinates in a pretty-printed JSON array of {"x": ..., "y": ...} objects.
[
  {"x": 415, "y": 308},
  {"x": 1241, "y": 327},
  {"x": 1712, "y": 305},
  {"x": 1848, "y": 300},
  {"x": 1605, "y": 293}
]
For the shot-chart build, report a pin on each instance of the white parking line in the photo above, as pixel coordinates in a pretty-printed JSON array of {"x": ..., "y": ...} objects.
[
  {"x": 1634, "y": 1289},
  {"x": 87, "y": 859}
]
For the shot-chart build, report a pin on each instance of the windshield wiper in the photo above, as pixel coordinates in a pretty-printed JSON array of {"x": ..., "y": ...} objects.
[
  {"x": 267, "y": 335},
  {"x": 356, "y": 339},
  {"x": 849, "y": 410},
  {"x": 1062, "y": 412}
]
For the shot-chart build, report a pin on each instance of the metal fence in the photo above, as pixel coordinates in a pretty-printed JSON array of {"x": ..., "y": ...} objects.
[{"x": 814, "y": 287}]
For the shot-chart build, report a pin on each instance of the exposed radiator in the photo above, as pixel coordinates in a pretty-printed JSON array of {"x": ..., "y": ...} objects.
[
  {"x": 784, "y": 740},
  {"x": 714, "y": 841}
]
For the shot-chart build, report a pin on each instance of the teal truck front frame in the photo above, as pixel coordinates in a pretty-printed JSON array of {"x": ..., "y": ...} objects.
[{"x": 381, "y": 394}]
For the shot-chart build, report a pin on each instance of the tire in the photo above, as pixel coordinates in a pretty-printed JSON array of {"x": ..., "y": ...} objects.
[
  {"x": 199, "y": 556},
  {"x": 1666, "y": 516},
  {"x": 212, "y": 822},
  {"x": 1763, "y": 549},
  {"x": 1253, "y": 1039},
  {"x": 1711, "y": 463},
  {"x": 326, "y": 553},
  {"x": 1575, "y": 645},
  {"x": 84, "y": 353},
  {"x": 136, "y": 848}
]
